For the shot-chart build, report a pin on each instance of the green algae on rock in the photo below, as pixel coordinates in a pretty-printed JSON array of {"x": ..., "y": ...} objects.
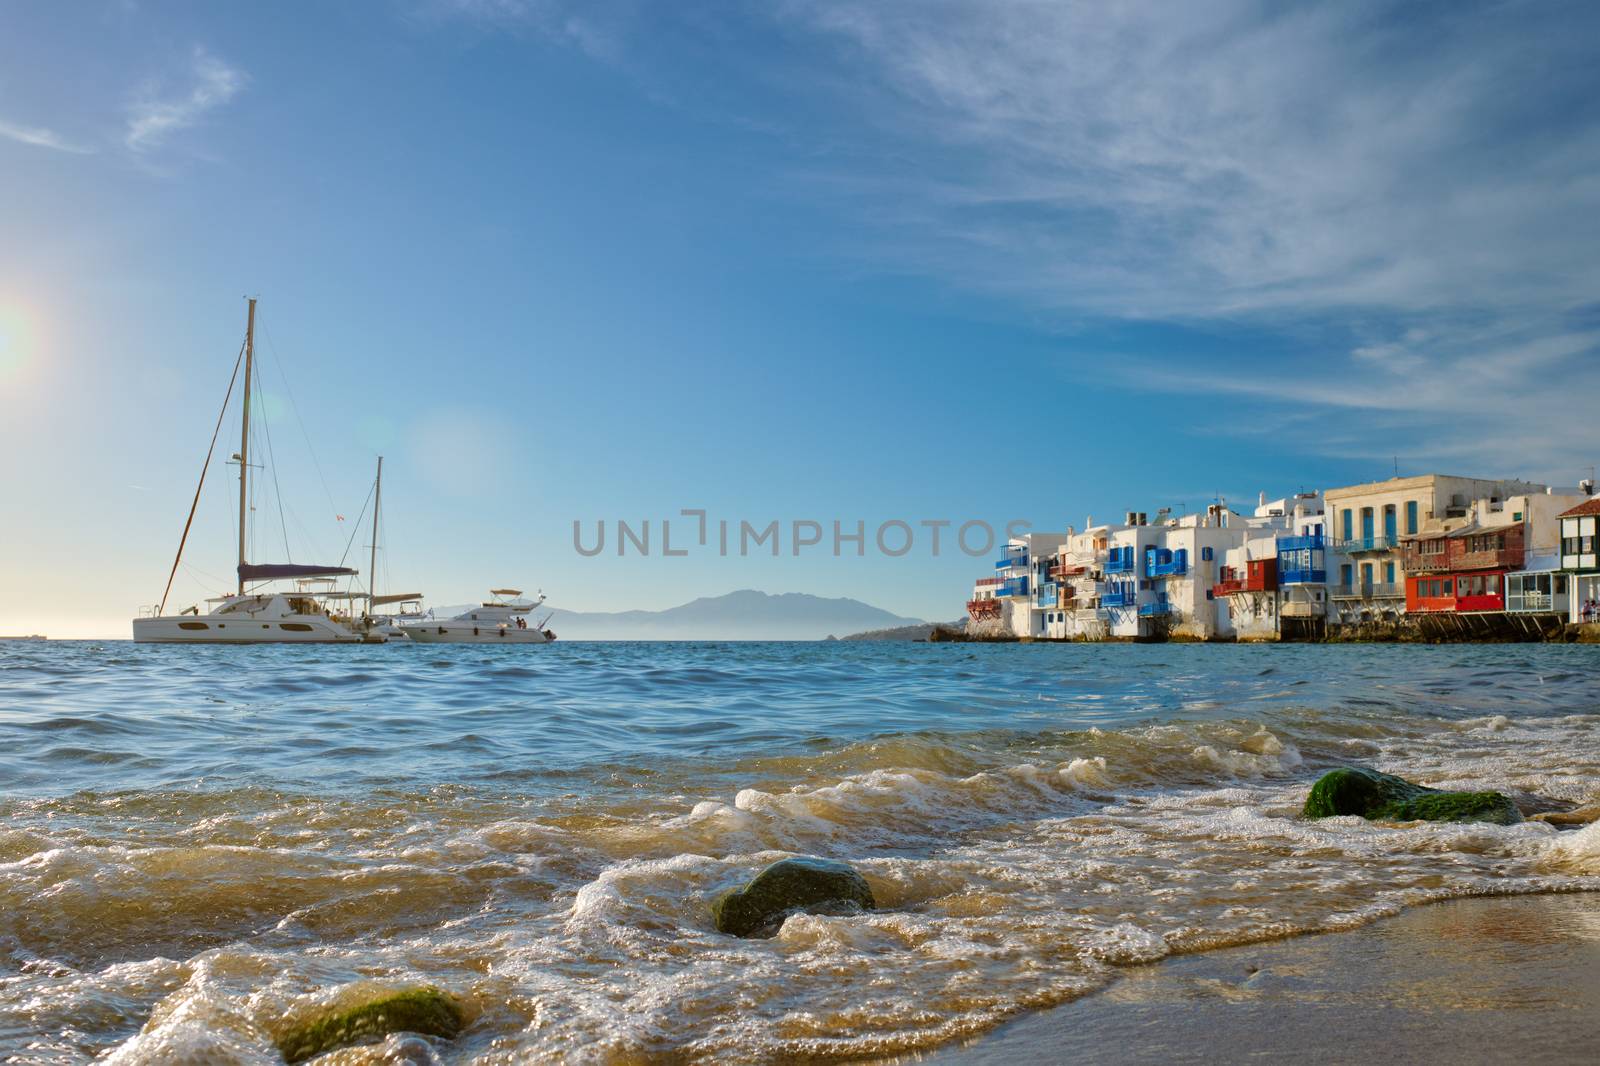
[
  {"x": 412, "y": 1010},
  {"x": 1384, "y": 797},
  {"x": 787, "y": 886}
]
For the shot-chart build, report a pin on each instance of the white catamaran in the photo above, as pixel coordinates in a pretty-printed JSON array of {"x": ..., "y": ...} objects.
[{"x": 254, "y": 615}]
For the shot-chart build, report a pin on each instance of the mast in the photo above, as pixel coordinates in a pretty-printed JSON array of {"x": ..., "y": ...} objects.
[
  {"x": 372, "y": 574},
  {"x": 244, "y": 434}
]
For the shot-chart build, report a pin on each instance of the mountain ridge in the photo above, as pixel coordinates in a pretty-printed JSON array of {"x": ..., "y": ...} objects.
[{"x": 743, "y": 614}]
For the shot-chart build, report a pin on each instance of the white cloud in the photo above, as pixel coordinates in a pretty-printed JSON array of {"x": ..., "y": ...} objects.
[
  {"x": 1157, "y": 159},
  {"x": 153, "y": 118},
  {"x": 41, "y": 138}
]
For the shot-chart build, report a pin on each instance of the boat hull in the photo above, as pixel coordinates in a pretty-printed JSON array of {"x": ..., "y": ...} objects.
[
  {"x": 469, "y": 633},
  {"x": 290, "y": 629}
]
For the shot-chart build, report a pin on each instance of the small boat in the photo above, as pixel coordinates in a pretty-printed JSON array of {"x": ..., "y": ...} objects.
[
  {"x": 252, "y": 615},
  {"x": 501, "y": 620}
]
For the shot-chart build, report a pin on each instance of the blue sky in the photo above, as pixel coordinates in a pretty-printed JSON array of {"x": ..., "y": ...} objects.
[{"x": 935, "y": 260}]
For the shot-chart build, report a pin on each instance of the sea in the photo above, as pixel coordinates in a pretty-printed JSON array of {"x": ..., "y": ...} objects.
[{"x": 202, "y": 845}]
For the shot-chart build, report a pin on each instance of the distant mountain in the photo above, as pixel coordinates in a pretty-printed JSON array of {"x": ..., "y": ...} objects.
[
  {"x": 743, "y": 615},
  {"x": 919, "y": 631}
]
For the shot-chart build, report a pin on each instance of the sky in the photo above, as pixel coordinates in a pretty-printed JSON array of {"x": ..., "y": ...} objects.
[{"x": 919, "y": 262}]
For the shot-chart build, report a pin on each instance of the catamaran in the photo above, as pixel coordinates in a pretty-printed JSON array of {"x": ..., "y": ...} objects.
[
  {"x": 500, "y": 620},
  {"x": 254, "y": 614}
]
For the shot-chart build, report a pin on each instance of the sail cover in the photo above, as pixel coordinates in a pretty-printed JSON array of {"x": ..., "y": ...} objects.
[
  {"x": 379, "y": 601},
  {"x": 275, "y": 571}
]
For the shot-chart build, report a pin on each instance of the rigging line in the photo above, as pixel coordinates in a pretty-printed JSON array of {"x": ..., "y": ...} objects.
[
  {"x": 196, "y": 503},
  {"x": 289, "y": 392},
  {"x": 272, "y": 458},
  {"x": 356, "y": 527}
]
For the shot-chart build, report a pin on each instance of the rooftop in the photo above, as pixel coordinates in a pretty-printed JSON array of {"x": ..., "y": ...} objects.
[{"x": 1589, "y": 506}]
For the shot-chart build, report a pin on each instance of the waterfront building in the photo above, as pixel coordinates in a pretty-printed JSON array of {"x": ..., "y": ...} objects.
[
  {"x": 1368, "y": 522},
  {"x": 1078, "y": 573},
  {"x": 1246, "y": 590},
  {"x": 1580, "y": 557},
  {"x": 1303, "y": 571},
  {"x": 1472, "y": 560}
]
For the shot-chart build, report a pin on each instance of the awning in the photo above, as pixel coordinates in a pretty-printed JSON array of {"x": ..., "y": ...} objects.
[
  {"x": 505, "y": 592},
  {"x": 379, "y": 601},
  {"x": 278, "y": 571}
]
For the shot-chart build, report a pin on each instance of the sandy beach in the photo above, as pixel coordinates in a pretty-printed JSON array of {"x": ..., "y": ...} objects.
[{"x": 1465, "y": 981}]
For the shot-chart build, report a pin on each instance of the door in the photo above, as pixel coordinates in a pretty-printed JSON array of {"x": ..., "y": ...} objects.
[
  {"x": 1366, "y": 527},
  {"x": 1390, "y": 525}
]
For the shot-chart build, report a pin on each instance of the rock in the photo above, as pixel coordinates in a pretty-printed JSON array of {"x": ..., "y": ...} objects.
[
  {"x": 413, "y": 1010},
  {"x": 1384, "y": 797},
  {"x": 1580, "y": 816},
  {"x": 788, "y": 886}
]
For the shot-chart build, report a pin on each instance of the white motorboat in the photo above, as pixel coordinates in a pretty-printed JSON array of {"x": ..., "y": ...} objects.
[
  {"x": 501, "y": 620},
  {"x": 252, "y": 615}
]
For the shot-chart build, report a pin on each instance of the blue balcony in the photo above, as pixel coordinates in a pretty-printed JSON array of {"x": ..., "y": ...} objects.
[
  {"x": 1016, "y": 586},
  {"x": 1176, "y": 568},
  {"x": 1125, "y": 596},
  {"x": 1047, "y": 595},
  {"x": 1302, "y": 577},
  {"x": 1006, "y": 562},
  {"x": 1312, "y": 543},
  {"x": 1121, "y": 564},
  {"x": 1155, "y": 610}
]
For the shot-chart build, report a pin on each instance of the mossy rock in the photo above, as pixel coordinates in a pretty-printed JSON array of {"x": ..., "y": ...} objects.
[
  {"x": 1384, "y": 797},
  {"x": 788, "y": 886},
  {"x": 413, "y": 1010}
]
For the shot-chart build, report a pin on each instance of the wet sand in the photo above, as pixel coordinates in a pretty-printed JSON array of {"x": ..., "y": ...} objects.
[{"x": 1510, "y": 979}]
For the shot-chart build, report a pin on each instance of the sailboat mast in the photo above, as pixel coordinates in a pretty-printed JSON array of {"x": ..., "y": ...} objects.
[
  {"x": 244, "y": 435},
  {"x": 372, "y": 574}
]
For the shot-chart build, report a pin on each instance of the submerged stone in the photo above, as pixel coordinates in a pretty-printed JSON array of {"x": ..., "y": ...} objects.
[
  {"x": 1384, "y": 797},
  {"x": 413, "y": 1010},
  {"x": 788, "y": 886}
]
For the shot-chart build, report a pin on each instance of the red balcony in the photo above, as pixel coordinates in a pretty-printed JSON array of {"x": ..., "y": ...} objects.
[
  {"x": 979, "y": 610},
  {"x": 1498, "y": 549},
  {"x": 1261, "y": 575}
]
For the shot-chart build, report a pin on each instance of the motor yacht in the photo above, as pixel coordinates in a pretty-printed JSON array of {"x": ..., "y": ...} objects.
[{"x": 503, "y": 619}]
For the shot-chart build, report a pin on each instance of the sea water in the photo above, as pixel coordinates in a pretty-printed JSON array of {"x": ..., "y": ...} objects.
[{"x": 201, "y": 843}]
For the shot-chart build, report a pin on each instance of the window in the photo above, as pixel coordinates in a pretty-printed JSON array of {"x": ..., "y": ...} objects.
[
  {"x": 1205, "y": 554},
  {"x": 1366, "y": 573},
  {"x": 1388, "y": 572},
  {"x": 1349, "y": 524},
  {"x": 1448, "y": 589},
  {"x": 1389, "y": 522},
  {"x": 1411, "y": 516},
  {"x": 1561, "y": 584},
  {"x": 1344, "y": 574}
]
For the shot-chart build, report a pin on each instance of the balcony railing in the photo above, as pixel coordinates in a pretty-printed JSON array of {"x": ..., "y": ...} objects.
[
  {"x": 1303, "y": 577},
  {"x": 1367, "y": 544},
  {"x": 1119, "y": 598},
  {"x": 1176, "y": 568},
  {"x": 1310, "y": 542},
  {"x": 1155, "y": 610},
  {"x": 1017, "y": 586},
  {"x": 1381, "y": 590},
  {"x": 1115, "y": 565},
  {"x": 1047, "y": 595},
  {"x": 1258, "y": 583},
  {"x": 1007, "y": 561}
]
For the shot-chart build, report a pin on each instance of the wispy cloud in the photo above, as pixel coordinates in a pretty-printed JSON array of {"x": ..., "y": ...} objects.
[
  {"x": 40, "y": 138},
  {"x": 155, "y": 116}
]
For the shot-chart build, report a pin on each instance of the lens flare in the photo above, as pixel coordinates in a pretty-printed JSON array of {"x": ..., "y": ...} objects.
[{"x": 16, "y": 342}]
